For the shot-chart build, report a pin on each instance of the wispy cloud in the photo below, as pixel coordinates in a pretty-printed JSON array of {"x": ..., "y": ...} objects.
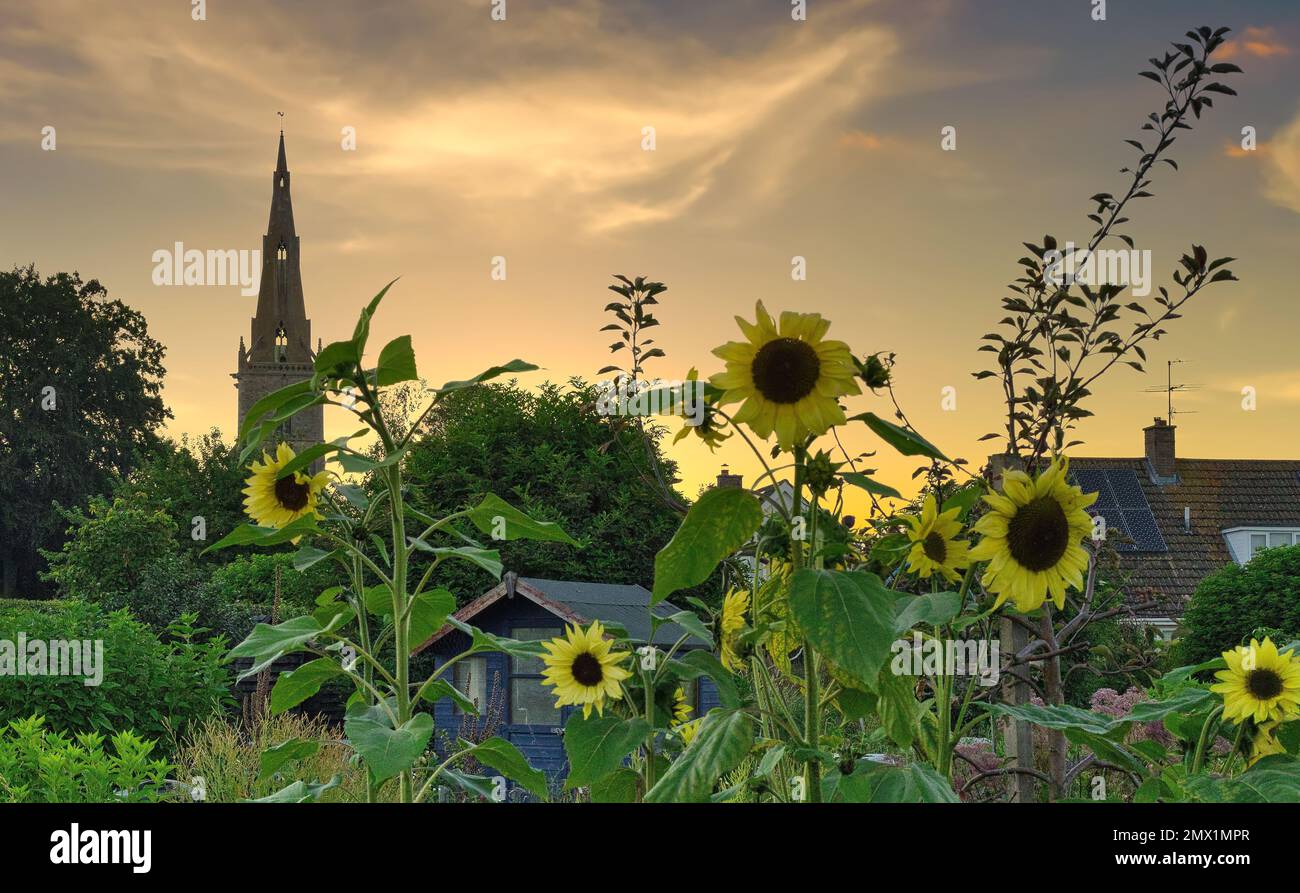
[{"x": 1261, "y": 43}]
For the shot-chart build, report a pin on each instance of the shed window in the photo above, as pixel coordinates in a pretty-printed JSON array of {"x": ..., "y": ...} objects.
[
  {"x": 531, "y": 703},
  {"x": 471, "y": 681}
]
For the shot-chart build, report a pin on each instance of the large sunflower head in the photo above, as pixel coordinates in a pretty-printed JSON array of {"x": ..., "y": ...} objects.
[
  {"x": 734, "y": 605},
  {"x": 583, "y": 669},
  {"x": 1259, "y": 683},
  {"x": 274, "y": 501},
  {"x": 788, "y": 376},
  {"x": 934, "y": 547},
  {"x": 1032, "y": 537}
]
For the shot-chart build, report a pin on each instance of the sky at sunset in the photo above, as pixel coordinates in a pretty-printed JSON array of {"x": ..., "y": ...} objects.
[{"x": 774, "y": 138}]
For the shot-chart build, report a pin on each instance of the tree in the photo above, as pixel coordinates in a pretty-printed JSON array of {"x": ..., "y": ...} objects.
[
  {"x": 192, "y": 479},
  {"x": 554, "y": 457},
  {"x": 80, "y": 399},
  {"x": 1234, "y": 601}
]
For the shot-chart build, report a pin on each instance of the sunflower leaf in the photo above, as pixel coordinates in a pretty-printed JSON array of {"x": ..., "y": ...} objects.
[
  {"x": 909, "y": 443},
  {"x": 596, "y": 745},
  {"x": 719, "y": 523},
  {"x": 500, "y": 520},
  {"x": 499, "y": 754},
  {"x": 848, "y": 616},
  {"x": 723, "y": 740}
]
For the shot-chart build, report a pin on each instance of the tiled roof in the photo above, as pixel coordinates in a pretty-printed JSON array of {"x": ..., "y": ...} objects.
[{"x": 1221, "y": 493}]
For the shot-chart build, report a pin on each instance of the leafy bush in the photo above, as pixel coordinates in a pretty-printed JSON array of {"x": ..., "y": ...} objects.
[
  {"x": 125, "y": 554},
  {"x": 1231, "y": 603},
  {"x": 41, "y": 766},
  {"x": 246, "y": 586},
  {"x": 150, "y": 683}
]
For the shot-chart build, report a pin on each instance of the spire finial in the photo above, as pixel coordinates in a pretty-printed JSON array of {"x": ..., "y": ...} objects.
[{"x": 281, "y": 114}]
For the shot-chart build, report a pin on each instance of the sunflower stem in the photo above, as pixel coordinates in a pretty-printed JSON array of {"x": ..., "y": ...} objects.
[{"x": 1199, "y": 759}]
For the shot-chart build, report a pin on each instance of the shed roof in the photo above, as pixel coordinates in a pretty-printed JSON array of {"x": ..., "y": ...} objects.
[{"x": 581, "y": 602}]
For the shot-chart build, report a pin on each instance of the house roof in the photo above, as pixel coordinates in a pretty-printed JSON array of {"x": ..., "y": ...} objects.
[
  {"x": 579, "y": 602},
  {"x": 1221, "y": 494}
]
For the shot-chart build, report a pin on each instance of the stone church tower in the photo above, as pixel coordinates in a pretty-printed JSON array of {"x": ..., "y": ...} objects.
[{"x": 280, "y": 353}]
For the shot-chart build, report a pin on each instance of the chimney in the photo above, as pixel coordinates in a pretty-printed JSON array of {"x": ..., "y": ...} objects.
[
  {"x": 727, "y": 479},
  {"x": 1160, "y": 450}
]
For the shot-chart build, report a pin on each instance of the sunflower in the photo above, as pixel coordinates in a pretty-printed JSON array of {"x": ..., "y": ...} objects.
[
  {"x": 681, "y": 709},
  {"x": 734, "y": 606},
  {"x": 687, "y": 730},
  {"x": 583, "y": 669},
  {"x": 1031, "y": 538},
  {"x": 933, "y": 546},
  {"x": 274, "y": 501},
  {"x": 710, "y": 429},
  {"x": 1259, "y": 683},
  {"x": 1265, "y": 743},
  {"x": 789, "y": 378}
]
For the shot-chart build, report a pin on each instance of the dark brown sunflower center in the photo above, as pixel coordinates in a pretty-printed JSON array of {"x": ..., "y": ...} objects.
[
  {"x": 1263, "y": 684},
  {"x": 291, "y": 494},
  {"x": 587, "y": 670},
  {"x": 785, "y": 370},
  {"x": 1039, "y": 534},
  {"x": 934, "y": 547}
]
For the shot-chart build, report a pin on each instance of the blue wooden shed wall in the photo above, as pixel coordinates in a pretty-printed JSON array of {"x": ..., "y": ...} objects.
[{"x": 541, "y": 744}]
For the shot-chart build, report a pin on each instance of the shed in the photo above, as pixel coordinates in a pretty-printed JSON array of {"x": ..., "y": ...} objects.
[{"x": 512, "y": 701}]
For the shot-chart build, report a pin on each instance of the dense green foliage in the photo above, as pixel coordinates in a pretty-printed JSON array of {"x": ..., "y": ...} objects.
[
  {"x": 38, "y": 765},
  {"x": 553, "y": 456},
  {"x": 80, "y": 398},
  {"x": 1231, "y": 603},
  {"x": 126, "y": 554},
  {"x": 150, "y": 684}
]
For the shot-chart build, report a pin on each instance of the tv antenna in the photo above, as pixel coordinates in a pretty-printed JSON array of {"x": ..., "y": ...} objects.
[{"x": 1169, "y": 389}]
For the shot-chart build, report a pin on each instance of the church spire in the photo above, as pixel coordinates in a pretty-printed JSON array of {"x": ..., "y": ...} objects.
[{"x": 281, "y": 330}]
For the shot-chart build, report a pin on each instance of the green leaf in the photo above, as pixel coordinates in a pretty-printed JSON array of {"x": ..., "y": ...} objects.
[
  {"x": 429, "y": 614},
  {"x": 848, "y": 616},
  {"x": 934, "y": 608},
  {"x": 481, "y": 641},
  {"x": 270, "y": 402},
  {"x": 499, "y": 754},
  {"x": 723, "y": 740},
  {"x": 273, "y": 758},
  {"x": 441, "y": 688},
  {"x": 690, "y": 621},
  {"x": 396, "y": 362},
  {"x": 898, "y": 708},
  {"x": 296, "y": 686},
  {"x": 909, "y": 443},
  {"x": 300, "y": 792},
  {"x": 252, "y": 535},
  {"x": 487, "y": 375},
  {"x": 266, "y": 644},
  {"x": 620, "y": 786},
  {"x": 378, "y": 600},
  {"x": 1063, "y": 716},
  {"x": 387, "y": 750},
  {"x": 488, "y": 559},
  {"x": 596, "y": 745},
  {"x": 354, "y": 463},
  {"x": 337, "y": 360},
  {"x": 874, "y": 487},
  {"x": 361, "y": 334},
  {"x": 477, "y": 785},
  {"x": 719, "y": 523},
  {"x": 872, "y": 782},
  {"x": 308, "y": 556},
  {"x": 514, "y": 524},
  {"x": 694, "y": 664}
]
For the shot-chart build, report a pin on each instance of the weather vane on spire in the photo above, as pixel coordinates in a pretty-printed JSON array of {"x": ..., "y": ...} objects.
[{"x": 281, "y": 114}]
